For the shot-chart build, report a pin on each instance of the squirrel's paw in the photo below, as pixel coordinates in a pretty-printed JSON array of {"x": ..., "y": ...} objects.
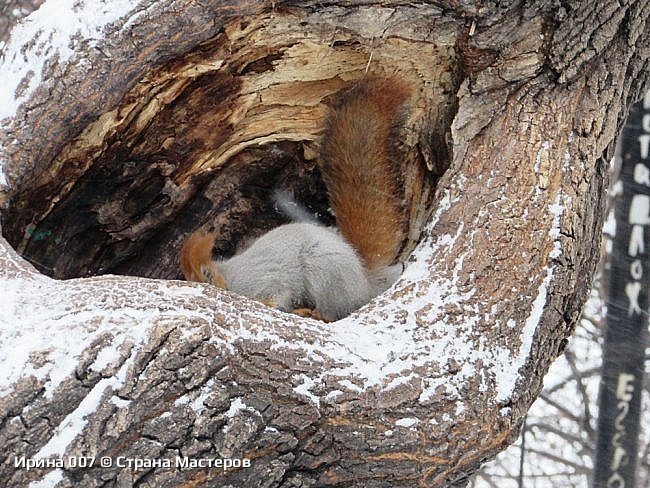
[
  {"x": 308, "y": 312},
  {"x": 269, "y": 302}
]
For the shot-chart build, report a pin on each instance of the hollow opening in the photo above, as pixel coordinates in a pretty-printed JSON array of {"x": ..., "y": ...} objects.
[{"x": 203, "y": 141}]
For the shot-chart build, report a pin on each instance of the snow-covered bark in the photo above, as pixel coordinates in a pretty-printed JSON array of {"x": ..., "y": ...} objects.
[{"x": 418, "y": 387}]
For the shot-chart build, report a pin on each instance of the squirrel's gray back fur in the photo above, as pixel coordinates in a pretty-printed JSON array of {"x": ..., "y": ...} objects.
[{"x": 305, "y": 265}]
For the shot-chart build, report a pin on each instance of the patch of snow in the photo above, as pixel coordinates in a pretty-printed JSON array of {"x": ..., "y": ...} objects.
[
  {"x": 183, "y": 400},
  {"x": 237, "y": 405},
  {"x": 400, "y": 380},
  {"x": 120, "y": 402},
  {"x": 546, "y": 145},
  {"x": 75, "y": 421},
  {"x": 442, "y": 385},
  {"x": 332, "y": 395},
  {"x": 197, "y": 405},
  {"x": 107, "y": 356},
  {"x": 609, "y": 226},
  {"x": 50, "y": 480},
  {"x": 305, "y": 389},
  {"x": 407, "y": 422},
  {"x": 460, "y": 408},
  {"x": 349, "y": 385}
]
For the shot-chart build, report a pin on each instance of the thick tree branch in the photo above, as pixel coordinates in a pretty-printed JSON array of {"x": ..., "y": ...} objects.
[{"x": 173, "y": 107}]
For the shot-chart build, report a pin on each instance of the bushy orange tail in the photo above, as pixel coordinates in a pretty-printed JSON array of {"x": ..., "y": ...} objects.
[
  {"x": 362, "y": 170},
  {"x": 196, "y": 260}
]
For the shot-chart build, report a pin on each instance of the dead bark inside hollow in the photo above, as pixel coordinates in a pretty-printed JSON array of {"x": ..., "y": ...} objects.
[{"x": 188, "y": 115}]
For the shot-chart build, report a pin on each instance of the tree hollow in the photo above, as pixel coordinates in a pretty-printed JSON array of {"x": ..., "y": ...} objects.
[{"x": 203, "y": 140}]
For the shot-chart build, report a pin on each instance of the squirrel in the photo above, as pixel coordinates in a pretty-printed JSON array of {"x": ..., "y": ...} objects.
[{"x": 313, "y": 270}]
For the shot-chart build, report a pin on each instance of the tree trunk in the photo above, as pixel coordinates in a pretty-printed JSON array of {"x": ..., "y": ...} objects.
[{"x": 127, "y": 135}]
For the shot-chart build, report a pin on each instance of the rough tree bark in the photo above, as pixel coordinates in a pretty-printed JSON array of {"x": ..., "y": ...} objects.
[{"x": 121, "y": 140}]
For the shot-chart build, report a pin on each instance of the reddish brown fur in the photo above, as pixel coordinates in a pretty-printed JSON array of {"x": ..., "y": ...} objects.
[
  {"x": 196, "y": 260},
  {"x": 361, "y": 168}
]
